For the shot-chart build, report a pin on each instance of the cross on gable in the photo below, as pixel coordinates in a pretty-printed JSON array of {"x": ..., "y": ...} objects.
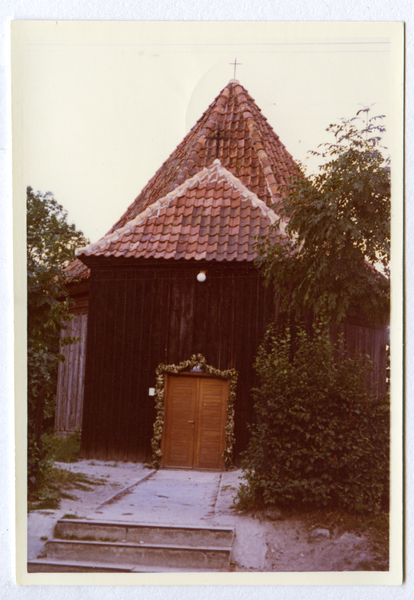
[{"x": 218, "y": 137}]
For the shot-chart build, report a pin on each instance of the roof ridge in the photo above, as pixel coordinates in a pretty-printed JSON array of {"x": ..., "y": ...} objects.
[
  {"x": 200, "y": 176},
  {"x": 196, "y": 145},
  {"x": 262, "y": 155}
]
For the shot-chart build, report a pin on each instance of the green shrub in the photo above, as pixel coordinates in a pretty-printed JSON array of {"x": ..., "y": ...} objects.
[
  {"x": 66, "y": 449},
  {"x": 39, "y": 465},
  {"x": 320, "y": 439}
]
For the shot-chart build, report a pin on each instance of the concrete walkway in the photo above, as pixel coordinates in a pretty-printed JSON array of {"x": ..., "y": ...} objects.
[
  {"x": 133, "y": 493},
  {"x": 177, "y": 497},
  {"x": 129, "y": 492}
]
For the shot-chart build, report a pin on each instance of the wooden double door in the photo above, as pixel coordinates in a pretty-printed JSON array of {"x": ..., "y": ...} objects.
[{"x": 195, "y": 421}]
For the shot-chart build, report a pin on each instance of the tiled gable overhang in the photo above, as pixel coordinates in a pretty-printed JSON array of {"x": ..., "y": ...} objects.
[{"x": 211, "y": 216}]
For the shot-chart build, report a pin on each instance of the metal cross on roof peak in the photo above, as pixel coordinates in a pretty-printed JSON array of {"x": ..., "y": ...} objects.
[{"x": 235, "y": 64}]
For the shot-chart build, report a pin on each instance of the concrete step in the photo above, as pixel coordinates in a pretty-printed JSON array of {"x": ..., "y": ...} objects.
[
  {"x": 45, "y": 565},
  {"x": 137, "y": 533},
  {"x": 122, "y": 553}
]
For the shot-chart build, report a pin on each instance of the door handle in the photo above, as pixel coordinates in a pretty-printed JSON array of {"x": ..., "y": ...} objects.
[{"x": 191, "y": 421}]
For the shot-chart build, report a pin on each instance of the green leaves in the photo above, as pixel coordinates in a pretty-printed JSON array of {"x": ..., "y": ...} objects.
[
  {"x": 339, "y": 226},
  {"x": 319, "y": 438},
  {"x": 51, "y": 242}
]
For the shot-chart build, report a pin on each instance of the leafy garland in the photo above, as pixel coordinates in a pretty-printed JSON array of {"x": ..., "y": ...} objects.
[{"x": 195, "y": 360}]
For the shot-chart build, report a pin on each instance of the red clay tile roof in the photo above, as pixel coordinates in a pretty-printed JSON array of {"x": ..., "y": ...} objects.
[
  {"x": 211, "y": 216},
  {"x": 232, "y": 129},
  {"x": 247, "y": 146},
  {"x": 76, "y": 271}
]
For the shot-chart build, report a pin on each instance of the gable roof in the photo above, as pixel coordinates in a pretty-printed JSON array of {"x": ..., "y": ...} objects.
[
  {"x": 233, "y": 128},
  {"x": 211, "y": 216}
]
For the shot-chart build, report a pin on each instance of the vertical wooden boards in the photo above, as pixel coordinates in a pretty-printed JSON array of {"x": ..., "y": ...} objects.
[
  {"x": 143, "y": 314},
  {"x": 97, "y": 394},
  {"x": 71, "y": 374}
]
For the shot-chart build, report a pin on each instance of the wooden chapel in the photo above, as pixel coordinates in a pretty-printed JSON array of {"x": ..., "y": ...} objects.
[{"x": 171, "y": 308}]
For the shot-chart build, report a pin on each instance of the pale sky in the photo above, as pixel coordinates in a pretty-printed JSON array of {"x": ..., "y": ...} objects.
[{"x": 104, "y": 105}]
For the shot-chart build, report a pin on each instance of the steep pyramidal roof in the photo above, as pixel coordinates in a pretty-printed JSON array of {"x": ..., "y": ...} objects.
[
  {"x": 211, "y": 216},
  {"x": 233, "y": 130}
]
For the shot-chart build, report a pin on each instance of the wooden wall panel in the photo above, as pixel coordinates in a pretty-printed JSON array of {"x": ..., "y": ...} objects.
[
  {"x": 71, "y": 375},
  {"x": 142, "y": 315}
]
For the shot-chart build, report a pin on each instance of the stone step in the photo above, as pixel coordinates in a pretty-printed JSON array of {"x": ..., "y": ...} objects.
[
  {"x": 137, "y": 533},
  {"x": 122, "y": 553}
]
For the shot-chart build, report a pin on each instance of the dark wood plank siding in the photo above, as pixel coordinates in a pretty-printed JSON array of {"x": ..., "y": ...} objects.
[
  {"x": 71, "y": 374},
  {"x": 143, "y": 316}
]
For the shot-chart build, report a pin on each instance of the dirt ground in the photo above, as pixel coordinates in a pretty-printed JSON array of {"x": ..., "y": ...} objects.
[{"x": 265, "y": 541}]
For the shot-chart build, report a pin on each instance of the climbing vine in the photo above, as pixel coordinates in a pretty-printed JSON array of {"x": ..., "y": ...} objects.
[{"x": 197, "y": 360}]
